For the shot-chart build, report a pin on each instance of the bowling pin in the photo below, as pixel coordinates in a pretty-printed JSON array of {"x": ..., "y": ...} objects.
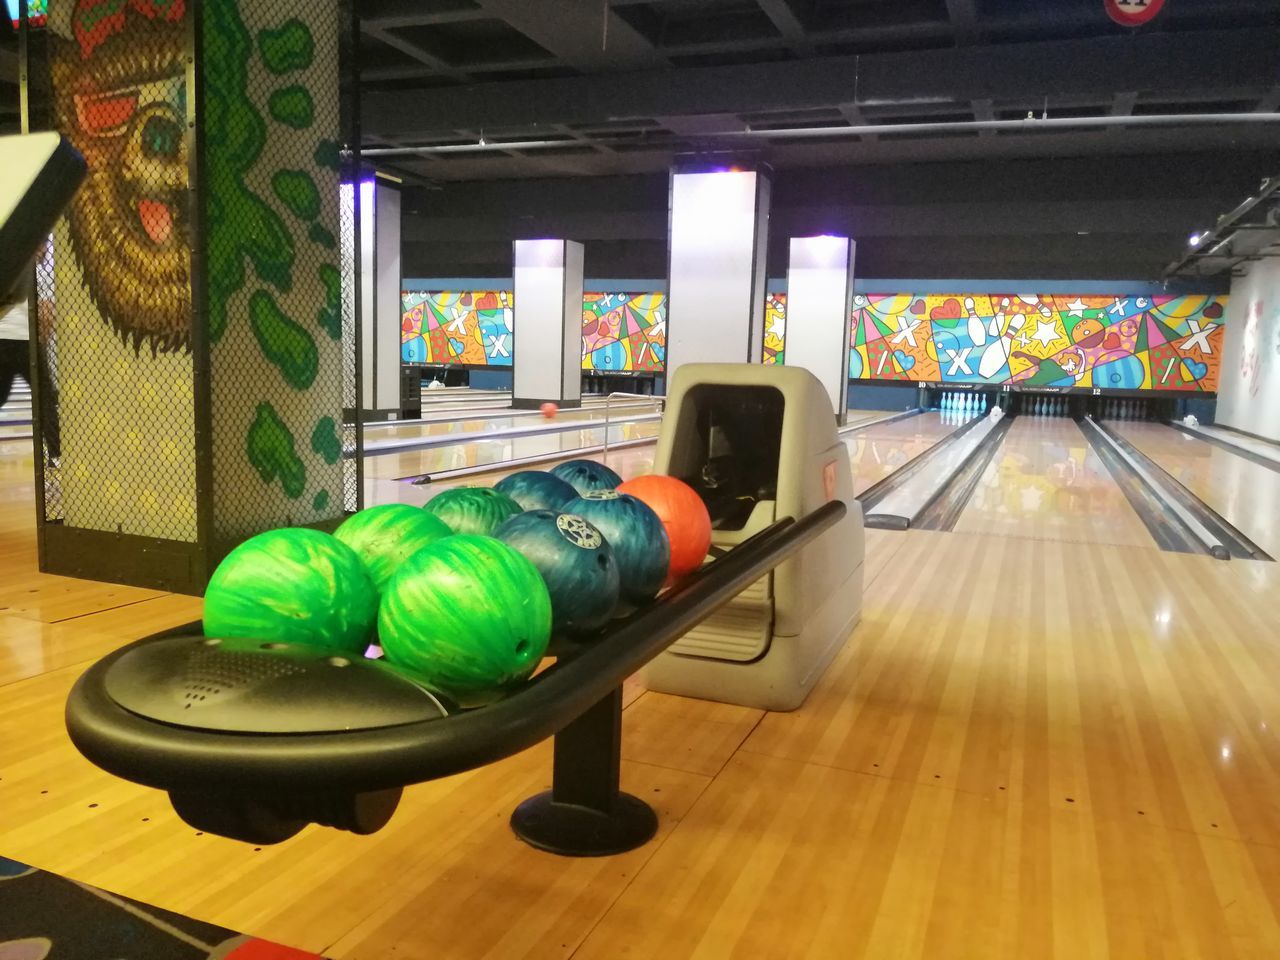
[
  {"x": 1034, "y": 301},
  {"x": 997, "y": 354},
  {"x": 976, "y": 333}
]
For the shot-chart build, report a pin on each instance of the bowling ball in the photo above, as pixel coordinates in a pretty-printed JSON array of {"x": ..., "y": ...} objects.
[
  {"x": 385, "y": 536},
  {"x": 587, "y": 475},
  {"x": 293, "y": 586},
  {"x": 576, "y": 563},
  {"x": 684, "y": 516},
  {"x": 478, "y": 510},
  {"x": 469, "y": 615},
  {"x": 637, "y": 536},
  {"x": 536, "y": 490},
  {"x": 549, "y": 410}
]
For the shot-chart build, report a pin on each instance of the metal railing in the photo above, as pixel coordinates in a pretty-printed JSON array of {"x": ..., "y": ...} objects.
[{"x": 659, "y": 405}]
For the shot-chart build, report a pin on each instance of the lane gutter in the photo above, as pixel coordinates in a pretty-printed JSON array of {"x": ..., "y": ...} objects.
[
  {"x": 943, "y": 510},
  {"x": 1177, "y": 518}
]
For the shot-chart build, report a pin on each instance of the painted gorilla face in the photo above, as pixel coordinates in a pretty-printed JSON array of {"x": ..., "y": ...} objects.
[{"x": 124, "y": 108}]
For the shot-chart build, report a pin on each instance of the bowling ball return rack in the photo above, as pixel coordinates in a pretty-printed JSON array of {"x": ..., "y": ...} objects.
[{"x": 254, "y": 741}]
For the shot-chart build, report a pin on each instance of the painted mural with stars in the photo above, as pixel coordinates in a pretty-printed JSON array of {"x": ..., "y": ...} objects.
[
  {"x": 624, "y": 332},
  {"x": 1114, "y": 342},
  {"x": 621, "y": 332},
  {"x": 465, "y": 327}
]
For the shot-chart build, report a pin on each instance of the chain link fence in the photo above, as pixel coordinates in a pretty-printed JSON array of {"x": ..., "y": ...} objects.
[{"x": 197, "y": 301}]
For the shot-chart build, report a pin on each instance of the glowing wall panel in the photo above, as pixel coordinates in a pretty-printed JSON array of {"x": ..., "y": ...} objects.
[{"x": 718, "y": 232}]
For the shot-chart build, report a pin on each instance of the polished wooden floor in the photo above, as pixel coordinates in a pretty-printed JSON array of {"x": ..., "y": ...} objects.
[{"x": 1030, "y": 748}]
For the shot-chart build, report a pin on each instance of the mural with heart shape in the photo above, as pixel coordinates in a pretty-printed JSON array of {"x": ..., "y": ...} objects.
[{"x": 1114, "y": 342}]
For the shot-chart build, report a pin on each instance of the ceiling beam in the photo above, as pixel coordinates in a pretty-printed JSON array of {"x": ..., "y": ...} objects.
[
  {"x": 785, "y": 21},
  {"x": 1122, "y": 103},
  {"x": 435, "y": 64},
  {"x": 964, "y": 21},
  {"x": 585, "y": 34},
  {"x": 1208, "y": 60},
  {"x": 1270, "y": 103},
  {"x": 1060, "y": 147},
  {"x": 854, "y": 116}
]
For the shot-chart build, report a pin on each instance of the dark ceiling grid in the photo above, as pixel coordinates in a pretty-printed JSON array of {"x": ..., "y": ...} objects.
[{"x": 679, "y": 76}]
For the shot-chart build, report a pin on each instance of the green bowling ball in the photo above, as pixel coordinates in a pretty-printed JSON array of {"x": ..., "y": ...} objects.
[
  {"x": 469, "y": 615},
  {"x": 476, "y": 510},
  {"x": 386, "y": 536},
  {"x": 293, "y": 586}
]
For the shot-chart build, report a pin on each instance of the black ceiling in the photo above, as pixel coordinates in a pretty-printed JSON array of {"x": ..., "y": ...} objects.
[
  {"x": 592, "y": 87},
  {"x": 583, "y": 104}
]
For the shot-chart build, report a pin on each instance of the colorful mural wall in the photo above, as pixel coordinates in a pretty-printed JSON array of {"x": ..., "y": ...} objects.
[
  {"x": 624, "y": 332},
  {"x": 775, "y": 327},
  {"x": 1106, "y": 342},
  {"x": 471, "y": 327},
  {"x": 621, "y": 332},
  {"x": 37, "y": 12}
]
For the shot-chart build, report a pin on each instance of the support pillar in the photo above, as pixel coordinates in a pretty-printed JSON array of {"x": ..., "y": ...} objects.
[
  {"x": 547, "y": 322},
  {"x": 718, "y": 230},
  {"x": 197, "y": 303},
  {"x": 380, "y": 310},
  {"x": 819, "y": 308}
]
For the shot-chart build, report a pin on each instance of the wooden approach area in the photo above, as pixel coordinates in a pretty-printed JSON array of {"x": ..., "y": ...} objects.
[{"x": 1030, "y": 748}]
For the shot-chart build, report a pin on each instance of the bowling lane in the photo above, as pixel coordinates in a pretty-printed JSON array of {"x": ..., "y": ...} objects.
[
  {"x": 469, "y": 452},
  {"x": 478, "y": 422},
  {"x": 1046, "y": 483},
  {"x": 878, "y": 450},
  {"x": 1247, "y": 494},
  {"x": 628, "y": 462}
]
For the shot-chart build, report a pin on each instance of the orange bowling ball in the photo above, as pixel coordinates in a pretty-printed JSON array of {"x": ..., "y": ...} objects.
[
  {"x": 549, "y": 410},
  {"x": 682, "y": 513}
]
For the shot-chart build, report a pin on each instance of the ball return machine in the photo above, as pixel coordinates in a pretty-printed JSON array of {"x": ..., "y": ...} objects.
[{"x": 256, "y": 740}]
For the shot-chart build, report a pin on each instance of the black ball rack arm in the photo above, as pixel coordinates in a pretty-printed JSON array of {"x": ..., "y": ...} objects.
[{"x": 266, "y": 775}]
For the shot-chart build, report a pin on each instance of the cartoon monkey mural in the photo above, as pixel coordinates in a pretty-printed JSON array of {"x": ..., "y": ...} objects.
[{"x": 119, "y": 84}]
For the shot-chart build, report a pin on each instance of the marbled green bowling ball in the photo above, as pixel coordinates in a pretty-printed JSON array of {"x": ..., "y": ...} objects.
[
  {"x": 293, "y": 586},
  {"x": 386, "y": 536},
  {"x": 469, "y": 615},
  {"x": 476, "y": 510}
]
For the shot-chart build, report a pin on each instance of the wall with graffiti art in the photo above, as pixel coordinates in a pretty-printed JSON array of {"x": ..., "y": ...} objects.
[
  {"x": 775, "y": 327},
  {"x": 624, "y": 332},
  {"x": 621, "y": 332},
  {"x": 1112, "y": 342},
  {"x": 465, "y": 327}
]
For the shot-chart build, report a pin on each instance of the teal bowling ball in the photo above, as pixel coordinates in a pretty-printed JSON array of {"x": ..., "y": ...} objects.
[
  {"x": 474, "y": 510},
  {"x": 468, "y": 615},
  {"x": 586, "y": 475},
  {"x": 386, "y": 536},
  {"x": 293, "y": 586},
  {"x": 576, "y": 563},
  {"x": 536, "y": 490},
  {"x": 637, "y": 536}
]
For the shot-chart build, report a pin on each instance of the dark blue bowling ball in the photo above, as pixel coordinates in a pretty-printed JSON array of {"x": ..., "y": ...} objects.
[
  {"x": 536, "y": 490},
  {"x": 587, "y": 475},
  {"x": 638, "y": 538},
  {"x": 576, "y": 563}
]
